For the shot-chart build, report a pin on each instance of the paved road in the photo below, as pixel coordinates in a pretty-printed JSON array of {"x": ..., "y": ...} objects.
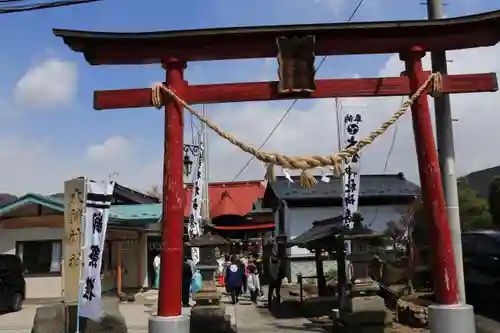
[
  {"x": 246, "y": 317},
  {"x": 19, "y": 322},
  {"x": 487, "y": 311},
  {"x": 251, "y": 319},
  {"x": 135, "y": 315}
]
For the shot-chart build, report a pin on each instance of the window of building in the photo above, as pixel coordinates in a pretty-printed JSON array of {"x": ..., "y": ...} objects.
[{"x": 40, "y": 257}]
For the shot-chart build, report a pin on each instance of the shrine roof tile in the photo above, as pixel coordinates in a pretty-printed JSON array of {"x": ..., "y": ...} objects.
[
  {"x": 242, "y": 196},
  {"x": 135, "y": 212},
  {"x": 129, "y": 214},
  {"x": 395, "y": 185},
  {"x": 318, "y": 231},
  {"x": 237, "y": 198}
]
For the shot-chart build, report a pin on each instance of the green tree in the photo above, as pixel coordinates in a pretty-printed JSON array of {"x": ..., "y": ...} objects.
[
  {"x": 474, "y": 212},
  {"x": 494, "y": 201}
]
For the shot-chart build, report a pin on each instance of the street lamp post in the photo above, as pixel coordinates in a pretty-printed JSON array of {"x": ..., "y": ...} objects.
[{"x": 188, "y": 164}]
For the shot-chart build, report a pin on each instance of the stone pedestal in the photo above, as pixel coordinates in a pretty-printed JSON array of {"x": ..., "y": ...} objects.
[
  {"x": 364, "y": 312},
  {"x": 210, "y": 319},
  {"x": 61, "y": 318}
]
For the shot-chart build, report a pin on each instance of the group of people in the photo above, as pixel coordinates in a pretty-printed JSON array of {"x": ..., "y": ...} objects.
[
  {"x": 188, "y": 278},
  {"x": 242, "y": 275}
]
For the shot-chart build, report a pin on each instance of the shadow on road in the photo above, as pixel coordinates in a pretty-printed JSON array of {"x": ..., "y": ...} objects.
[{"x": 486, "y": 309}]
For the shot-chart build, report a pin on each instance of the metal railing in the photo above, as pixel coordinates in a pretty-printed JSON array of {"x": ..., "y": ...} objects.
[{"x": 300, "y": 280}]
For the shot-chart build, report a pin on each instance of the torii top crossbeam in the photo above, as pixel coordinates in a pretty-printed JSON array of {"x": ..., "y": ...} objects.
[{"x": 106, "y": 48}]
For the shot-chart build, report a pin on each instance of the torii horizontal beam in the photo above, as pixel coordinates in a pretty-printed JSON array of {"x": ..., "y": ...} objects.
[
  {"x": 266, "y": 91},
  {"x": 107, "y": 48}
]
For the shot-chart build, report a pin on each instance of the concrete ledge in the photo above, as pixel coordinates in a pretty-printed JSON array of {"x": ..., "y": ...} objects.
[{"x": 177, "y": 324}]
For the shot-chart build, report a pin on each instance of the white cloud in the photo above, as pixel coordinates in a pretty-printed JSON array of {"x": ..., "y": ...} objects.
[
  {"x": 30, "y": 165},
  {"x": 337, "y": 6},
  {"x": 115, "y": 148},
  {"x": 48, "y": 85}
]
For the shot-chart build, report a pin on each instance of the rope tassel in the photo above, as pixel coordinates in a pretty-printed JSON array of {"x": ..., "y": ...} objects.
[
  {"x": 307, "y": 180},
  {"x": 304, "y": 163},
  {"x": 270, "y": 173}
]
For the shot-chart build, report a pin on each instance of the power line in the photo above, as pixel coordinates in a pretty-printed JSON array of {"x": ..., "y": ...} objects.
[
  {"x": 386, "y": 163},
  {"x": 38, "y": 6},
  {"x": 356, "y": 9}
]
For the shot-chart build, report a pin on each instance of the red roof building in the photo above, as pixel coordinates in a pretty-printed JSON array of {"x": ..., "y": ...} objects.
[{"x": 229, "y": 198}]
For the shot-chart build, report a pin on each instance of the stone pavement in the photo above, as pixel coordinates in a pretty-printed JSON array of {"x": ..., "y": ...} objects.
[
  {"x": 136, "y": 316},
  {"x": 257, "y": 319},
  {"x": 19, "y": 322},
  {"x": 246, "y": 317}
]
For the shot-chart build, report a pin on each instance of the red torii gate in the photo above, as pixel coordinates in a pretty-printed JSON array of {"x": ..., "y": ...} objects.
[{"x": 173, "y": 49}]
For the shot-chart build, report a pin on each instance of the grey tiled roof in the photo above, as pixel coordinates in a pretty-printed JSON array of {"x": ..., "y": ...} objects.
[
  {"x": 6, "y": 198},
  {"x": 370, "y": 186},
  {"x": 327, "y": 228}
]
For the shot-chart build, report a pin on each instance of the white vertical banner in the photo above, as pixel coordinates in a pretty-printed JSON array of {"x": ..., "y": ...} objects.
[
  {"x": 98, "y": 204},
  {"x": 350, "y": 179},
  {"x": 194, "y": 226}
]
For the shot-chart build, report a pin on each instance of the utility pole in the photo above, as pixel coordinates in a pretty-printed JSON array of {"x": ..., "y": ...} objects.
[
  {"x": 446, "y": 149},
  {"x": 460, "y": 318}
]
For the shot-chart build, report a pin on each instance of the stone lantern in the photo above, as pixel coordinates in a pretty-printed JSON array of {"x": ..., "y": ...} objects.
[
  {"x": 364, "y": 309},
  {"x": 208, "y": 314}
]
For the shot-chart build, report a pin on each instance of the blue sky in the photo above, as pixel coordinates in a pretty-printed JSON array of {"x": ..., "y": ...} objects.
[{"x": 68, "y": 129}]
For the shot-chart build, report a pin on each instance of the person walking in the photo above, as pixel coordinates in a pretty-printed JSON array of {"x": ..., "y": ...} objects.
[
  {"x": 187, "y": 276},
  {"x": 275, "y": 270},
  {"x": 227, "y": 263},
  {"x": 253, "y": 281},
  {"x": 234, "y": 279},
  {"x": 220, "y": 270},
  {"x": 244, "y": 276},
  {"x": 156, "y": 265}
]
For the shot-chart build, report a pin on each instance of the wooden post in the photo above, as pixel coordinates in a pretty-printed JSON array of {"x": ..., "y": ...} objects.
[
  {"x": 74, "y": 192},
  {"x": 118, "y": 247},
  {"x": 445, "y": 281},
  {"x": 139, "y": 253},
  {"x": 320, "y": 274},
  {"x": 341, "y": 270}
]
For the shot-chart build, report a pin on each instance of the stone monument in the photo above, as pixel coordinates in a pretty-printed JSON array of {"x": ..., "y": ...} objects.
[{"x": 62, "y": 317}]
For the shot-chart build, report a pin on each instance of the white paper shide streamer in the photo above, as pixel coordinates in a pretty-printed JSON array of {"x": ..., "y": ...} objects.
[
  {"x": 350, "y": 180},
  {"x": 194, "y": 228},
  {"x": 98, "y": 203}
]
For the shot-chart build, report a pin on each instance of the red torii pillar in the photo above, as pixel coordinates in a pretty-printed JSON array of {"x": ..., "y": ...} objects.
[
  {"x": 445, "y": 281},
  {"x": 173, "y": 49},
  {"x": 169, "y": 298}
]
